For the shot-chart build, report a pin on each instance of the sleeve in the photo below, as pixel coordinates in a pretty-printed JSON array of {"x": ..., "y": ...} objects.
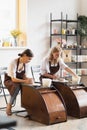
[
  {"x": 44, "y": 66},
  {"x": 12, "y": 69},
  {"x": 62, "y": 64}
]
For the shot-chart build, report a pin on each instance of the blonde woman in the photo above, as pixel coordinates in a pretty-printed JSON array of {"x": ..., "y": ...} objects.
[{"x": 52, "y": 64}]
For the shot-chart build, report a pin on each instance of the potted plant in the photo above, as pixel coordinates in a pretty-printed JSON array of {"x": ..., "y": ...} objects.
[
  {"x": 82, "y": 28},
  {"x": 15, "y": 34}
]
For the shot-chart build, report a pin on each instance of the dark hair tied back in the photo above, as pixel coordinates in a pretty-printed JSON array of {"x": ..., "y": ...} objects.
[{"x": 28, "y": 53}]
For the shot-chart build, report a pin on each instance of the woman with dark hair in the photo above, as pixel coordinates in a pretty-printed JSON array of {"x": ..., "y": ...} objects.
[{"x": 17, "y": 74}]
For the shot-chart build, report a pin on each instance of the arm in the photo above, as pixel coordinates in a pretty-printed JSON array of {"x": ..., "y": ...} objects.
[
  {"x": 50, "y": 76},
  {"x": 24, "y": 80},
  {"x": 11, "y": 73},
  {"x": 28, "y": 80},
  {"x": 71, "y": 72}
]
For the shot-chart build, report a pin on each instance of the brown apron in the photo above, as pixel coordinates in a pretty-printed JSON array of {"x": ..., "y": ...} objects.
[
  {"x": 53, "y": 70},
  {"x": 10, "y": 85}
]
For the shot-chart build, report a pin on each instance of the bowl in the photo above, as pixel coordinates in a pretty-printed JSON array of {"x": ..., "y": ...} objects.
[{"x": 46, "y": 82}]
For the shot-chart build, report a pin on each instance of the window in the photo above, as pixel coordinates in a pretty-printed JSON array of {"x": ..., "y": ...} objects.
[
  {"x": 12, "y": 16},
  {"x": 7, "y": 18}
]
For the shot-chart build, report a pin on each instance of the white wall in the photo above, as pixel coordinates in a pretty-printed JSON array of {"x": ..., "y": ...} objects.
[
  {"x": 6, "y": 55},
  {"x": 38, "y": 22},
  {"x": 38, "y": 18},
  {"x": 83, "y": 7}
]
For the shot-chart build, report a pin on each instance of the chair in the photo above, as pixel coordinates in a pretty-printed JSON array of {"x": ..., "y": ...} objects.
[
  {"x": 2, "y": 87},
  {"x": 35, "y": 70}
]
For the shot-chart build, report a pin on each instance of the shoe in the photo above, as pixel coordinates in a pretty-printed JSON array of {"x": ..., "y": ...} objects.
[{"x": 8, "y": 110}]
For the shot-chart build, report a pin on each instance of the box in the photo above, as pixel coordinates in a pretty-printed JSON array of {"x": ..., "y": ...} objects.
[{"x": 66, "y": 55}]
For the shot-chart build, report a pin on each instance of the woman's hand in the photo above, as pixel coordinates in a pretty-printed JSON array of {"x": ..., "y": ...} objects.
[
  {"x": 29, "y": 81},
  {"x": 76, "y": 79},
  {"x": 76, "y": 76},
  {"x": 54, "y": 77}
]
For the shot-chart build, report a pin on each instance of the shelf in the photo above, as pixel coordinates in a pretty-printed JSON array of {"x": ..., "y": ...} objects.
[
  {"x": 82, "y": 62},
  {"x": 67, "y": 29},
  {"x": 82, "y": 48},
  {"x": 71, "y": 35},
  {"x": 69, "y": 48},
  {"x": 12, "y": 48},
  {"x": 82, "y": 74},
  {"x": 58, "y": 20},
  {"x": 72, "y": 62},
  {"x": 63, "y": 20},
  {"x": 63, "y": 34},
  {"x": 56, "y": 34},
  {"x": 72, "y": 21}
]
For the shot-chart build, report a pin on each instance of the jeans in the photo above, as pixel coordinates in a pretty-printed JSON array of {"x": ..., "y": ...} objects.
[{"x": 13, "y": 97}]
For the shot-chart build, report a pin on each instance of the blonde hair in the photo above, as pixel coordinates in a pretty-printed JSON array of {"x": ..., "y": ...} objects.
[{"x": 53, "y": 50}]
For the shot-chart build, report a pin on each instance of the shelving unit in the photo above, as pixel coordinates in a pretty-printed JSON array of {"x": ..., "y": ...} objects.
[{"x": 73, "y": 51}]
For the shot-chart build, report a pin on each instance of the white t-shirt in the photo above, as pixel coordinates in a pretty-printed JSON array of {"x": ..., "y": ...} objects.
[
  {"x": 13, "y": 66},
  {"x": 45, "y": 67}
]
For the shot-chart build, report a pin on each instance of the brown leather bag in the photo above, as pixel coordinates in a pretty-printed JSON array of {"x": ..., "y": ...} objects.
[{"x": 9, "y": 84}]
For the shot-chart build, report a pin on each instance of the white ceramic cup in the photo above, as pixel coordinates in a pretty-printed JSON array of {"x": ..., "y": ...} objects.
[{"x": 46, "y": 82}]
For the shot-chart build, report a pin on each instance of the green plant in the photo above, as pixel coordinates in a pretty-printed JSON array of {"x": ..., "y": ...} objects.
[{"x": 82, "y": 27}]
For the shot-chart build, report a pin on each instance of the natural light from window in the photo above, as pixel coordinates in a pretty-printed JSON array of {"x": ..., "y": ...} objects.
[{"x": 7, "y": 19}]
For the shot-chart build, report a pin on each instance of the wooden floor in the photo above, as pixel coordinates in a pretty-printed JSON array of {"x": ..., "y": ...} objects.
[{"x": 24, "y": 123}]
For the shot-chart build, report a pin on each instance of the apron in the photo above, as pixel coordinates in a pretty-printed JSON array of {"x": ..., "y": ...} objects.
[
  {"x": 21, "y": 74},
  {"x": 10, "y": 85},
  {"x": 53, "y": 70}
]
